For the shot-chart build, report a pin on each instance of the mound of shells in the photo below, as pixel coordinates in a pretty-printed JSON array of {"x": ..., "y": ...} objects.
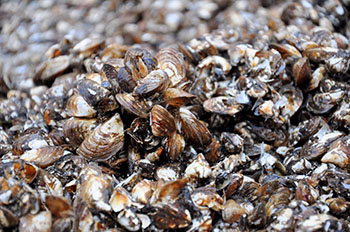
[{"x": 245, "y": 128}]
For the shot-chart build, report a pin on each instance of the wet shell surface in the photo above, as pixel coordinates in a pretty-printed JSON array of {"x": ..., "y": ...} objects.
[{"x": 175, "y": 115}]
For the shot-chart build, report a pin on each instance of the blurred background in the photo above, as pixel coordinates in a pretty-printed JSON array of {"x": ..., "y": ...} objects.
[{"x": 29, "y": 28}]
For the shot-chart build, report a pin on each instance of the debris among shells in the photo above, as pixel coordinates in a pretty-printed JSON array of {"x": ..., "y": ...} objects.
[{"x": 183, "y": 115}]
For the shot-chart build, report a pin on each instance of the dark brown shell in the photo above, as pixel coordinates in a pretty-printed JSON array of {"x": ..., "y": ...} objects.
[
  {"x": 125, "y": 80},
  {"x": 76, "y": 130},
  {"x": 97, "y": 96},
  {"x": 175, "y": 146},
  {"x": 302, "y": 72},
  {"x": 163, "y": 123},
  {"x": 105, "y": 141},
  {"x": 193, "y": 129},
  {"x": 176, "y": 97}
]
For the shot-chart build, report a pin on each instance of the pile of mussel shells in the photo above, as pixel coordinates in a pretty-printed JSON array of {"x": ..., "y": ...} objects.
[{"x": 241, "y": 129}]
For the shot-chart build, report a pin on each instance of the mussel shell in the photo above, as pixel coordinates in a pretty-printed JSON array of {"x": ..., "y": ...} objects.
[
  {"x": 193, "y": 129},
  {"x": 171, "y": 61},
  {"x": 97, "y": 96},
  {"x": 223, "y": 105},
  {"x": 176, "y": 97},
  {"x": 78, "y": 107},
  {"x": 133, "y": 105},
  {"x": 105, "y": 141},
  {"x": 163, "y": 123},
  {"x": 125, "y": 80},
  {"x": 77, "y": 129},
  {"x": 302, "y": 72},
  {"x": 156, "y": 81}
]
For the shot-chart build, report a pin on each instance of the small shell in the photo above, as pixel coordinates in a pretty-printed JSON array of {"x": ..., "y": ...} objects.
[
  {"x": 170, "y": 217},
  {"x": 302, "y": 72},
  {"x": 139, "y": 62},
  {"x": 163, "y": 123},
  {"x": 133, "y": 105},
  {"x": 306, "y": 192},
  {"x": 316, "y": 77},
  {"x": 199, "y": 168},
  {"x": 104, "y": 141},
  {"x": 232, "y": 211},
  {"x": 222, "y": 105},
  {"x": 78, "y": 107},
  {"x": 175, "y": 145},
  {"x": 286, "y": 50},
  {"x": 320, "y": 54},
  {"x": 338, "y": 205},
  {"x": 338, "y": 153},
  {"x": 95, "y": 187},
  {"x": 193, "y": 129},
  {"x": 133, "y": 221},
  {"x": 28, "y": 142},
  {"x": 120, "y": 199},
  {"x": 43, "y": 157},
  {"x": 76, "y": 130},
  {"x": 156, "y": 81},
  {"x": 27, "y": 171},
  {"x": 205, "y": 198},
  {"x": 172, "y": 62},
  {"x": 52, "y": 69},
  {"x": 143, "y": 191},
  {"x": 109, "y": 76},
  {"x": 214, "y": 61},
  {"x": 88, "y": 46},
  {"x": 125, "y": 80},
  {"x": 59, "y": 206},
  {"x": 167, "y": 173},
  {"x": 315, "y": 147},
  {"x": 169, "y": 192},
  {"x": 8, "y": 219},
  {"x": 233, "y": 143},
  {"x": 176, "y": 97},
  {"x": 96, "y": 96}
]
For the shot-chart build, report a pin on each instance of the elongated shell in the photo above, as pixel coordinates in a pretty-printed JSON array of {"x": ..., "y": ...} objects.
[
  {"x": 125, "y": 80},
  {"x": 104, "y": 141},
  {"x": 222, "y": 105},
  {"x": 45, "y": 156},
  {"x": 133, "y": 105},
  {"x": 176, "y": 97},
  {"x": 156, "y": 81},
  {"x": 163, "y": 123},
  {"x": 302, "y": 72},
  {"x": 171, "y": 61},
  {"x": 193, "y": 129},
  {"x": 75, "y": 130}
]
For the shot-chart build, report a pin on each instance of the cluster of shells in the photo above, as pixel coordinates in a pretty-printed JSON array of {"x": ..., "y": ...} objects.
[{"x": 241, "y": 129}]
